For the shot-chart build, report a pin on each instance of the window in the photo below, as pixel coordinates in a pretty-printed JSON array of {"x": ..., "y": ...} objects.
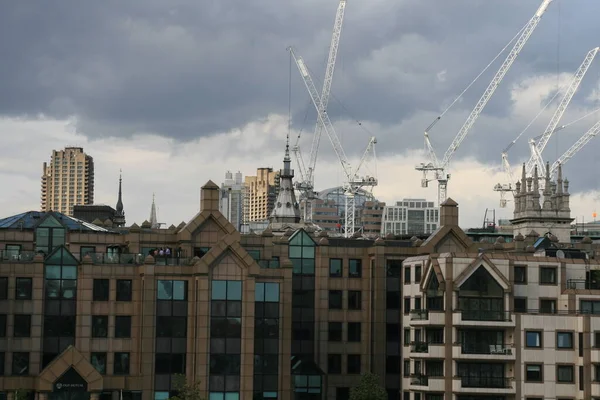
[
  {"x": 406, "y": 367},
  {"x": 85, "y": 250},
  {"x": 394, "y": 268},
  {"x": 99, "y": 326},
  {"x": 22, "y": 325},
  {"x": 417, "y": 274},
  {"x": 122, "y": 326},
  {"x": 520, "y": 275},
  {"x": 23, "y": 289},
  {"x": 547, "y": 306},
  {"x": 520, "y": 304},
  {"x": 335, "y": 299},
  {"x": 353, "y": 366},
  {"x": 392, "y": 300},
  {"x": 334, "y": 363},
  {"x": 255, "y": 254},
  {"x": 354, "y": 300},
  {"x": 267, "y": 292},
  {"x": 354, "y": 268},
  {"x": 392, "y": 365},
  {"x": 301, "y": 252},
  {"x": 335, "y": 332},
  {"x": 548, "y": 275},
  {"x": 49, "y": 235},
  {"x": 2, "y": 360},
  {"x": 597, "y": 339},
  {"x": 60, "y": 282},
  {"x": 534, "y": 373},
  {"x": 20, "y": 364},
  {"x": 406, "y": 336},
  {"x": 354, "y": 331},
  {"x": 171, "y": 327},
  {"x": 406, "y": 275},
  {"x": 124, "y": 291},
  {"x": 172, "y": 290},
  {"x": 342, "y": 393},
  {"x": 3, "y": 288},
  {"x": 98, "y": 361},
  {"x": 392, "y": 332},
  {"x": 169, "y": 363},
  {"x": 406, "y": 305},
  {"x": 533, "y": 339},
  {"x": 2, "y": 325},
  {"x": 335, "y": 267},
  {"x": 564, "y": 374},
  {"x": 121, "y": 364},
  {"x": 226, "y": 290},
  {"x": 101, "y": 289},
  {"x": 564, "y": 340}
]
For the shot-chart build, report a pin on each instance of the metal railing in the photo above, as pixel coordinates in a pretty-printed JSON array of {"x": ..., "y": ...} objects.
[
  {"x": 134, "y": 259},
  {"x": 419, "y": 315},
  {"x": 17, "y": 255},
  {"x": 485, "y": 315},
  {"x": 480, "y": 348},
  {"x": 419, "y": 347},
  {"x": 419, "y": 380},
  {"x": 582, "y": 284},
  {"x": 485, "y": 382}
]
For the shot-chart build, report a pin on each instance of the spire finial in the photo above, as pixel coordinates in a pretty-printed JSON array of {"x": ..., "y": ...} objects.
[{"x": 119, "y": 219}]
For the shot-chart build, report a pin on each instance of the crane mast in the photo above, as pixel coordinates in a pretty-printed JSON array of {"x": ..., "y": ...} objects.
[
  {"x": 353, "y": 182},
  {"x": 307, "y": 183},
  {"x": 538, "y": 148},
  {"x": 440, "y": 167},
  {"x": 578, "y": 145}
]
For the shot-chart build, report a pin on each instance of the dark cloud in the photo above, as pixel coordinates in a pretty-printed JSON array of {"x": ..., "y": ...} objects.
[{"x": 189, "y": 68}]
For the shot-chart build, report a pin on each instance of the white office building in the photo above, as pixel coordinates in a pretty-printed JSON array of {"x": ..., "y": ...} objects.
[{"x": 410, "y": 216}]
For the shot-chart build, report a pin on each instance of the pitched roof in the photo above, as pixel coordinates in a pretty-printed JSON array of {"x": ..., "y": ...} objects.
[{"x": 31, "y": 219}]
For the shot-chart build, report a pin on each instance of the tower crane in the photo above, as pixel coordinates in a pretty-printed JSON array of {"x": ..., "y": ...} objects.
[
  {"x": 578, "y": 145},
  {"x": 537, "y": 144},
  {"x": 306, "y": 185},
  {"x": 439, "y": 167},
  {"x": 353, "y": 182},
  {"x": 538, "y": 147}
]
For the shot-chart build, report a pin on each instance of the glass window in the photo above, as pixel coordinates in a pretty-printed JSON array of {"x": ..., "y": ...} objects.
[
  {"x": 122, "y": 326},
  {"x": 174, "y": 327},
  {"x": 99, "y": 326},
  {"x": 533, "y": 373},
  {"x": 2, "y": 325},
  {"x": 354, "y": 300},
  {"x": 335, "y": 299},
  {"x": 354, "y": 331},
  {"x": 255, "y": 254},
  {"x": 101, "y": 289},
  {"x": 226, "y": 290},
  {"x": 564, "y": 373},
  {"x": 124, "y": 289},
  {"x": 335, "y": 267},
  {"x": 548, "y": 275},
  {"x": 98, "y": 361},
  {"x": 267, "y": 292},
  {"x": 533, "y": 338},
  {"x": 407, "y": 275},
  {"x": 172, "y": 290},
  {"x": 564, "y": 340},
  {"x": 354, "y": 268},
  {"x": 547, "y": 306},
  {"x": 417, "y": 274},
  {"x": 121, "y": 366},
  {"x": 22, "y": 325},
  {"x": 335, "y": 331},
  {"x": 3, "y": 288},
  {"x": 520, "y": 274},
  {"x": 20, "y": 363},
  {"x": 334, "y": 363},
  {"x": 23, "y": 289},
  {"x": 520, "y": 304},
  {"x": 353, "y": 366}
]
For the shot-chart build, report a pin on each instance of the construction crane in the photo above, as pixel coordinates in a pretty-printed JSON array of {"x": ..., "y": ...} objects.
[
  {"x": 439, "y": 168},
  {"x": 578, "y": 145},
  {"x": 353, "y": 182},
  {"x": 538, "y": 147},
  {"x": 537, "y": 144},
  {"x": 306, "y": 184}
]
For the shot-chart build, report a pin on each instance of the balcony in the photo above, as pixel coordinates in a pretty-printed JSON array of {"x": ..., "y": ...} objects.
[
  {"x": 419, "y": 315},
  {"x": 478, "y": 351},
  {"x": 427, "y": 317},
  {"x": 488, "y": 385},
  {"x": 419, "y": 347},
  {"x": 16, "y": 256},
  {"x": 419, "y": 380},
  {"x": 424, "y": 383},
  {"x": 427, "y": 350},
  {"x": 483, "y": 318},
  {"x": 133, "y": 259}
]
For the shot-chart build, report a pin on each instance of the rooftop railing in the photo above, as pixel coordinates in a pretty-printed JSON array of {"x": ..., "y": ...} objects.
[{"x": 16, "y": 255}]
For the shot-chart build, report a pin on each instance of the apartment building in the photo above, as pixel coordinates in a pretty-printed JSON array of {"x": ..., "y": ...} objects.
[
  {"x": 260, "y": 192},
  {"x": 67, "y": 181}
]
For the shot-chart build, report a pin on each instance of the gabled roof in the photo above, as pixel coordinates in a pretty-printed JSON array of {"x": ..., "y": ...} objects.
[
  {"x": 70, "y": 358},
  {"x": 442, "y": 233},
  {"x": 482, "y": 261},
  {"x": 31, "y": 219},
  {"x": 433, "y": 269},
  {"x": 228, "y": 245}
]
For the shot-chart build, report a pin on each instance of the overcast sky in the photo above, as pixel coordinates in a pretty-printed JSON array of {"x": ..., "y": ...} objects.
[{"x": 177, "y": 92}]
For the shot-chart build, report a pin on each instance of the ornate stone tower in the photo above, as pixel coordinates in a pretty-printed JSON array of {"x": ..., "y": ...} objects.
[
  {"x": 552, "y": 215},
  {"x": 286, "y": 208}
]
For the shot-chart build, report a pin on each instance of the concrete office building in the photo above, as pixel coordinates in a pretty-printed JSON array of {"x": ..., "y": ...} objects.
[
  {"x": 67, "y": 181},
  {"x": 410, "y": 217},
  {"x": 231, "y": 203},
  {"x": 259, "y": 195}
]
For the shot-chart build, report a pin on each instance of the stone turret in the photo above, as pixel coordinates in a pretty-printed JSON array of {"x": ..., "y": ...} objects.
[{"x": 550, "y": 215}]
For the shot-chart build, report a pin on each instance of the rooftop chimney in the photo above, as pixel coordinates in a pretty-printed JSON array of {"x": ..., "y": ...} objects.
[
  {"x": 209, "y": 197},
  {"x": 449, "y": 213}
]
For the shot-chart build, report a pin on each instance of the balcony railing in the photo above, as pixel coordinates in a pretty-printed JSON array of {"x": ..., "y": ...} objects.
[
  {"x": 485, "y": 382},
  {"x": 419, "y": 380},
  {"x": 583, "y": 284},
  {"x": 16, "y": 255},
  {"x": 480, "y": 348},
  {"x": 485, "y": 315},
  {"x": 419, "y": 315},
  {"x": 134, "y": 259},
  {"x": 419, "y": 347}
]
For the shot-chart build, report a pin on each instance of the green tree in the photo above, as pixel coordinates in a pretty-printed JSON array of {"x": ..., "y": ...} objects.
[
  {"x": 185, "y": 390},
  {"x": 21, "y": 394},
  {"x": 368, "y": 388}
]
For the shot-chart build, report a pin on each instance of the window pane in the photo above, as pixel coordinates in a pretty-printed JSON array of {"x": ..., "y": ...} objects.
[
  {"x": 69, "y": 272},
  {"x": 272, "y": 292},
  {"x": 52, "y": 272},
  {"x": 234, "y": 290},
  {"x": 179, "y": 290},
  {"x": 219, "y": 290},
  {"x": 165, "y": 290},
  {"x": 259, "y": 292}
]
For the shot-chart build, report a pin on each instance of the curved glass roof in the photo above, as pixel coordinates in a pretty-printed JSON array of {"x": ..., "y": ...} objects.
[{"x": 31, "y": 219}]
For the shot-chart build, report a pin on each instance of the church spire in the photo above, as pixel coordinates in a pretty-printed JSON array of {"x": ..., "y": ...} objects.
[
  {"x": 119, "y": 218},
  {"x": 153, "y": 219},
  {"x": 286, "y": 207}
]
